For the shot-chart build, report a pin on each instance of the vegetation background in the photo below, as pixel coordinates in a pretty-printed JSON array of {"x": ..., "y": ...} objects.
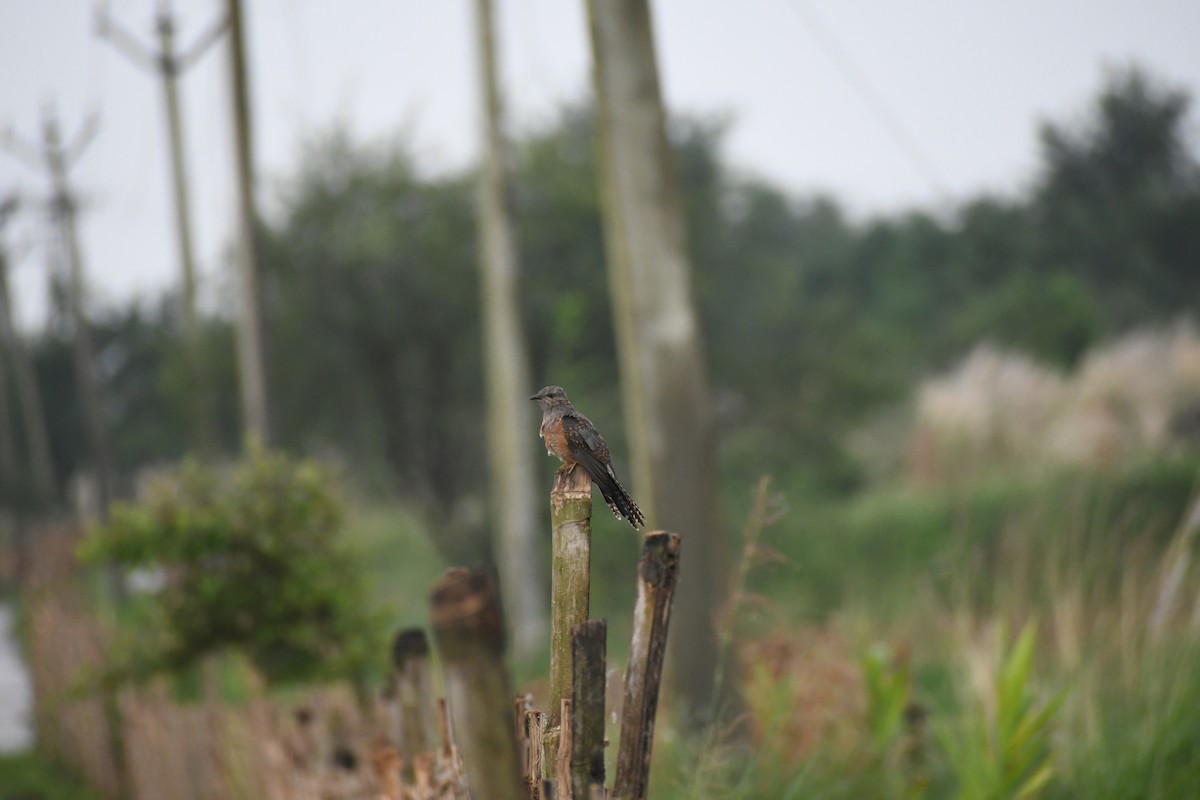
[{"x": 983, "y": 428}]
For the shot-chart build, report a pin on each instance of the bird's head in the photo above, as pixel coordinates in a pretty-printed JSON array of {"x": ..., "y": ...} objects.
[{"x": 550, "y": 397}]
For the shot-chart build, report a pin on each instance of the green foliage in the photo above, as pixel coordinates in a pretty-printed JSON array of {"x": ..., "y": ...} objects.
[
  {"x": 1052, "y": 314},
  {"x": 24, "y": 776},
  {"x": 1001, "y": 747},
  {"x": 889, "y": 694},
  {"x": 1118, "y": 199},
  {"x": 1148, "y": 740},
  {"x": 872, "y": 549},
  {"x": 253, "y": 562},
  {"x": 895, "y": 722},
  {"x": 373, "y": 307}
]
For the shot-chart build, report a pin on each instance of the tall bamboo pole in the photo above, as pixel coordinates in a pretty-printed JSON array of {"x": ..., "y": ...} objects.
[
  {"x": 663, "y": 381},
  {"x": 511, "y": 454}
]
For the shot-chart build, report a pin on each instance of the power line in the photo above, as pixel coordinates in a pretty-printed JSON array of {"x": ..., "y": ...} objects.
[{"x": 871, "y": 98}]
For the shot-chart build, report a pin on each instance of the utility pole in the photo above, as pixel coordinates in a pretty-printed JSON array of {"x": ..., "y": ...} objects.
[
  {"x": 9, "y": 471},
  {"x": 29, "y": 398},
  {"x": 659, "y": 349},
  {"x": 510, "y": 416},
  {"x": 12, "y": 494},
  {"x": 169, "y": 65},
  {"x": 251, "y": 366},
  {"x": 56, "y": 159}
]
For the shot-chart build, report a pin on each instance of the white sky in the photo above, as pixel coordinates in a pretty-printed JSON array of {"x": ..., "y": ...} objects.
[{"x": 967, "y": 81}]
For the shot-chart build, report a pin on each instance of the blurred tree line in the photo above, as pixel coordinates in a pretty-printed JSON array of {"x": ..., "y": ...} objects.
[{"x": 813, "y": 320}]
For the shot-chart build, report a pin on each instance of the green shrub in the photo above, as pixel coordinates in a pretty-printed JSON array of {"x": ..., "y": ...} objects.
[
  {"x": 25, "y": 775},
  {"x": 253, "y": 562}
]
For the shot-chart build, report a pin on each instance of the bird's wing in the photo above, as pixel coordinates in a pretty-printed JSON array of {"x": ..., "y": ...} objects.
[
  {"x": 589, "y": 451},
  {"x": 586, "y": 445}
]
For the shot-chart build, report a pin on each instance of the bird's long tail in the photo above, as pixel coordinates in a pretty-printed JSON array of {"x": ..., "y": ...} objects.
[{"x": 619, "y": 501}]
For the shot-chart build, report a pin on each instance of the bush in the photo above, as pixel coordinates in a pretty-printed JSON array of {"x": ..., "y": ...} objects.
[{"x": 252, "y": 562}]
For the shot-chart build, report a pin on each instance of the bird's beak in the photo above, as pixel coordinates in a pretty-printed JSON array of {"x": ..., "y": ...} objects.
[{"x": 536, "y": 396}]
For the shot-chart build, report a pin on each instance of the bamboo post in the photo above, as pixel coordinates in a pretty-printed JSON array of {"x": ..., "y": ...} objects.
[
  {"x": 587, "y": 706},
  {"x": 414, "y": 693},
  {"x": 658, "y": 569},
  {"x": 570, "y": 582},
  {"x": 469, "y": 628}
]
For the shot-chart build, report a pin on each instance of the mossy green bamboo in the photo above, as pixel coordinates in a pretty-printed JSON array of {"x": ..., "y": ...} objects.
[
  {"x": 570, "y": 587},
  {"x": 571, "y": 517}
]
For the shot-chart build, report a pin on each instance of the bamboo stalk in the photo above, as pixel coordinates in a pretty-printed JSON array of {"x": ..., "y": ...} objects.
[
  {"x": 658, "y": 569},
  {"x": 571, "y": 518},
  {"x": 587, "y": 706},
  {"x": 469, "y": 629}
]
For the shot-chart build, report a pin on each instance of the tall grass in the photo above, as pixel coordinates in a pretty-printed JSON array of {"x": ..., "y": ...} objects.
[{"x": 878, "y": 670}]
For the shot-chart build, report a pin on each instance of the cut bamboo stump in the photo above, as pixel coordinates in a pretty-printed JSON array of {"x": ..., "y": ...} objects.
[
  {"x": 587, "y": 707},
  {"x": 414, "y": 693},
  {"x": 658, "y": 569},
  {"x": 570, "y": 585},
  {"x": 469, "y": 629},
  {"x": 535, "y": 731}
]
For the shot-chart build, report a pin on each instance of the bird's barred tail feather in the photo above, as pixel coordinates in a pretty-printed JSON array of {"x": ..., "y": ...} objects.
[{"x": 619, "y": 501}]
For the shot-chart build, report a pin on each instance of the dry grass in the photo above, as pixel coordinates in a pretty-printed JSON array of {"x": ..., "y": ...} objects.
[
  {"x": 805, "y": 691},
  {"x": 1000, "y": 409}
]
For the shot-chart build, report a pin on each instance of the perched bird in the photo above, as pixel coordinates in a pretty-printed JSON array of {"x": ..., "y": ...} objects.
[{"x": 573, "y": 438}]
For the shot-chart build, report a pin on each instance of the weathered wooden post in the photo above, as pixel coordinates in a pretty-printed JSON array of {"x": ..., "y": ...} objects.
[
  {"x": 535, "y": 732},
  {"x": 658, "y": 569},
  {"x": 588, "y": 642},
  {"x": 570, "y": 584},
  {"x": 469, "y": 629}
]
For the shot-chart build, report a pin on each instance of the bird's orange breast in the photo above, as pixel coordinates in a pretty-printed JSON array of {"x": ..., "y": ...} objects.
[{"x": 556, "y": 441}]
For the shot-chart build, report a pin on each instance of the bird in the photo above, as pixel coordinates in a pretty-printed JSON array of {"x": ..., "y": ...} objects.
[{"x": 573, "y": 438}]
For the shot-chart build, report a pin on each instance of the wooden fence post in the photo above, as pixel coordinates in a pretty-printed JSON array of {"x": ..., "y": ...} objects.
[
  {"x": 469, "y": 629},
  {"x": 658, "y": 568}
]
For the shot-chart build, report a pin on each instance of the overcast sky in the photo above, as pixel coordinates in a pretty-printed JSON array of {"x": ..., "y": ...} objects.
[{"x": 885, "y": 104}]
